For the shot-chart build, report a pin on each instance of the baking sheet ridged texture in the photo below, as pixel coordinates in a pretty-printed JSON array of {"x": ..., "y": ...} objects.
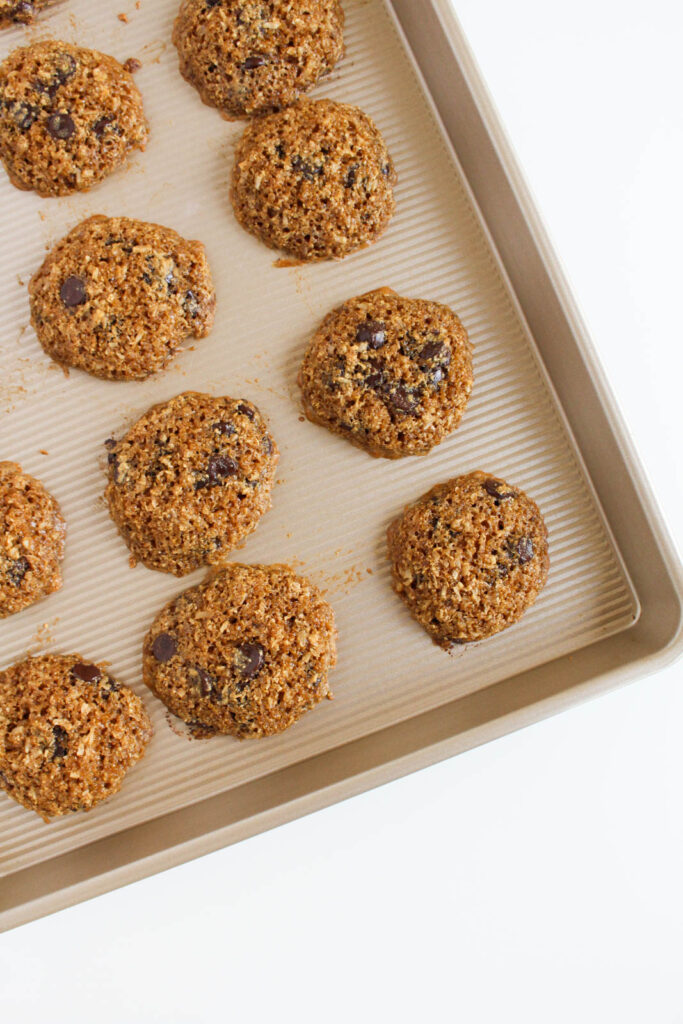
[{"x": 333, "y": 502}]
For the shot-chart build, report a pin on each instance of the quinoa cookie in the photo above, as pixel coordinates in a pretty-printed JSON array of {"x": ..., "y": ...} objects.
[
  {"x": 190, "y": 480},
  {"x": 392, "y": 375},
  {"x": 314, "y": 180},
  {"x": 21, "y": 12},
  {"x": 68, "y": 117},
  {"x": 469, "y": 557},
  {"x": 32, "y": 533},
  {"x": 117, "y": 297},
  {"x": 253, "y": 57},
  {"x": 69, "y": 732},
  {"x": 247, "y": 652}
]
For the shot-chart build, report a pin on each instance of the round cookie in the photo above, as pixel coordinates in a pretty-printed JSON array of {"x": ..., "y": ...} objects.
[
  {"x": 314, "y": 180},
  {"x": 392, "y": 375},
  {"x": 68, "y": 117},
  {"x": 68, "y": 733},
  {"x": 190, "y": 480},
  {"x": 117, "y": 297},
  {"x": 469, "y": 557},
  {"x": 253, "y": 58},
  {"x": 246, "y": 653},
  {"x": 32, "y": 533},
  {"x": 20, "y": 12}
]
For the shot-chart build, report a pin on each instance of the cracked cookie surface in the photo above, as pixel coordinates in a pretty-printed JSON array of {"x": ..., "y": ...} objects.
[
  {"x": 68, "y": 117},
  {"x": 69, "y": 732},
  {"x": 117, "y": 297},
  {"x": 469, "y": 557},
  {"x": 392, "y": 375},
  {"x": 315, "y": 180},
  {"x": 254, "y": 57},
  {"x": 190, "y": 480},
  {"x": 247, "y": 652},
  {"x": 32, "y": 534}
]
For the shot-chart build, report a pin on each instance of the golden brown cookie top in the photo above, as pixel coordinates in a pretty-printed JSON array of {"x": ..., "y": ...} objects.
[
  {"x": 392, "y": 375},
  {"x": 68, "y": 117},
  {"x": 315, "y": 180},
  {"x": 117, "y": 297},
  {"x": 32, "y": 533},
  {"x": 469, "y": 557},
  {"x": 190, "y": 480},
  {"x": 251, "y": 58},
  {"x": 69, "y": 732},
  {"x": 247, "y": 652}
]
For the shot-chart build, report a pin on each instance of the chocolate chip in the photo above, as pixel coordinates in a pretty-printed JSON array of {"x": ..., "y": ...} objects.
[
  {"x": 257, "y": 61},
  {"x": 402, "y": 399},
  {"x": 386, "y": 170},
  {"x": 61, "y": 126},
  {"x": 170, "y": 283},
  {"x": 60, "y": 738},
  {"x": 191, "y": 304},
  {"x": 249, "y": 659},
  {"x": 350, "y": 177},
  {"x": 132, "y": 65},
  {"x": 267, "y": 445},
  {"x": 24, "y": 115},
  {"x": 164, "y": 647},
  {"x": 86, "y": 673},
  {"x": 67, "y": 68},
  {"x": 309, "y": 171},
  {"x": 110, "y": 443},
  {"x": 72, "y": 292},
  {"x": 280, "y": 150},
  {"x": 220, "y": 467},
  {"x": 372, "y": 333},
  {"x": 225, "y": 427},
  {"x": 22, "y": 11},
  {"x": 525, "y": 550},
  {"x": 100, "y": 126},
  {"x": 375, "y": 381},
  {"x": 438, "y": 375},
  {"x": 246, "y": 410},
  {"x": 492, "y": 487},
  {"x": 436, "y": 351},
  {"x": 18, "y": 568},
  {"x": 205, "y": 681}
]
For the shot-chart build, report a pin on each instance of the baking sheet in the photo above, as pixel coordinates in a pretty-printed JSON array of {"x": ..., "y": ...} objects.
[{"x": 332, "y": 503}]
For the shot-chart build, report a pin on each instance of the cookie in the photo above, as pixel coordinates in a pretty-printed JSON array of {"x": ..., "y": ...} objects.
[
  {"x": 190, "y": 480},
  {"x": 32, "y": 533},
  {"x": 117, "y": 297},
  {"x": 392, "y": 375},
  {"x": 21, "y": 12},
  {"x": 69, "y": 732},
  {"x": 246, "y": 653},
  {"x": 68, "y": 117},
  {"x": 469, "y": 558},
  {"x": 314, "y": 180},
  {"x": 252, "y": 58}
]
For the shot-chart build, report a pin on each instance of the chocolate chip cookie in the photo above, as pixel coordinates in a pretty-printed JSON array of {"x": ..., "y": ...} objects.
[
  {"x": 392, "y": 375},
  {"x": 69, "y": 732},
  {"x": 68, "y": 117},
  {"x": 190, "y": 480},
  {"x": 21, "y": 12},
  {"x": 247, "y": 652},
  {"x": 252, "y": 57},
  {"x": 117, "y": 297},
  {"x": 314, "y": 180},
  {"x": 32, "y": 533},
  {"x": 469, "y": 557}
]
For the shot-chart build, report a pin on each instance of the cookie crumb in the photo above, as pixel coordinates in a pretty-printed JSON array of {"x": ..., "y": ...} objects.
[
  {"x": 123, "y": 17},
  {"x": 132, "y": 65}
]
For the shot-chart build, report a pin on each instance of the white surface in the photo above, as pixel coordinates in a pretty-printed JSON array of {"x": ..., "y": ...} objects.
[{"x": 537, "y": 878}]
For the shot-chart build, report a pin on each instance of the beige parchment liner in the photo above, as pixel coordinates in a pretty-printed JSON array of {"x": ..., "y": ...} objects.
[{"x": 332, "y": 502}]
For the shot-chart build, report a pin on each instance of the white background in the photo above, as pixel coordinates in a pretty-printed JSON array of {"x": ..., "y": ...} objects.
[{"x": 539, "y": 878}]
